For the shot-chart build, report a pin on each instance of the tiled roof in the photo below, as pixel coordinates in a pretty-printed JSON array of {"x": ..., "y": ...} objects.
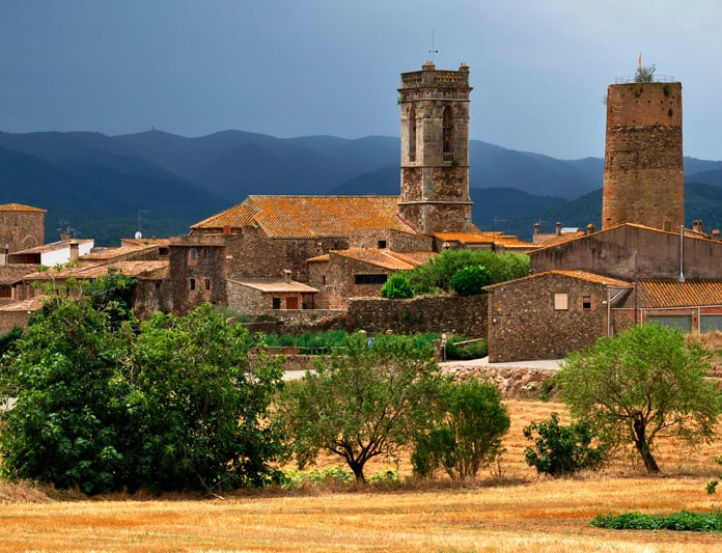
[
  {"x": 15, "y": 272},
  {"x": 21, "y": 207},
  {"x": 53, "y": 246},
  {"x": 414, "y": 258},
  {"x": 383, "y": 258},
  {"x": 107, "y": 254},
  {"x": 310, "y": 216},
  {"x": 656, "y": 292},
  {"x": 276, "y": 285},
  {"x": 139, "y": 269},
  {"x": 498, "y": 238},
  {"x": 579, "y": 275},
  {"x": 32, "y": 304},
  {"x": 319, "y": 258},
  {"x": 145, "y": 241}
]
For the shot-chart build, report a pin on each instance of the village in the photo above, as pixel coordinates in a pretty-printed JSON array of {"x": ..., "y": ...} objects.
[{"x": 319, "y": 261}]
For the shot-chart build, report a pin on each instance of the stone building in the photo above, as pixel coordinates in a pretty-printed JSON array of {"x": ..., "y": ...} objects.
[
  {"x": 435, "y": 149},
  {"x": 21, "y": 227},
  {"x": 549, "y": 314},
  {"x": 643, "y": 161},
  {"x": 255, "y": 296}
]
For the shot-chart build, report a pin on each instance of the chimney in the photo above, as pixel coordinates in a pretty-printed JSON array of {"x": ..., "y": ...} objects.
[
  {"x": 716, "y": 234},
  {"x": 537, "y": 228},
  {"x": 590, "y": 228},
  {"x": 74, "y": 250},
  {"x": 64, "y": 236},
  {"x": 287, "y": 275},
  {"x": 697, "y": 225},
  {"x": 559, "y": 228},
  {"x": 227, "y": 229}
]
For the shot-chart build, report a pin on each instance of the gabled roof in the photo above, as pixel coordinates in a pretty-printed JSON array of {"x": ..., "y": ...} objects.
[
  {"x": 21, "y": 207},
  {"x": 579, "y": 275},
  {"x": 32, "y": 304},
  {"x": 664, "y": 292},
  {"x": 547, "y": 245},
  {"x": 108, "y": 254},
  {"x": 386, "y": 259},
  {"x": 309, "y": 216},
  {"x": 496, "y": 238},
  {"x": 138, "y": 269},
  {"x": 274, "y": 285},
  {"x": 53, "y": 246}
]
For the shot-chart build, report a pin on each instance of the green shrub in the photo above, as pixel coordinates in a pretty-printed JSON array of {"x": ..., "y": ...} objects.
[
  {"x": 560, "y": 450},
  {"x": 475, "y": 350},
  {"x": 683, "y": 521},
  {"x": 295, "y": 478},
  {"x": 469, "y": 281},
  {"x": 466, "y": 435},
  {"x": 397, "y": 287},
  {"x": 388, "y": 475}
]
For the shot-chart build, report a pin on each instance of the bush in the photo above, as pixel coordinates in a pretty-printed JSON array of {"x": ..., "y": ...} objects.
[
  {"x": 397, "y": 287},
  {"x": 469, "y": 281},
  {"x": 683, "y": 521},
  {"x": 295, "y": 478},
  {"x": 470, "y": 421},
  {"x": 560, "y": 450}
]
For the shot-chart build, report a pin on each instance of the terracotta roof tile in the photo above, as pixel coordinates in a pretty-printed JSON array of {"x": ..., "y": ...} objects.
[
  {"x": 267, "y": 285},
  {"x": 21, "y": 207},
  {"x": 672, "y": 293},
  {"x": 580, "y": 275},
  {"x": 498, "y": 238},
  {"x": 59, "y": 245},
  {"x": 107, "y": 254},
  {"x": 319, "y": 258},
  {"x": 32, "y": 304},
  {"x": 310, "y": 216},
  {"x": 139, "y": 269},
  {"x": 383, "y": 258}
]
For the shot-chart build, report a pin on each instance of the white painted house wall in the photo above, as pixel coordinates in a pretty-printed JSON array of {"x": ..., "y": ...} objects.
[{"x": 62, "y": 255}]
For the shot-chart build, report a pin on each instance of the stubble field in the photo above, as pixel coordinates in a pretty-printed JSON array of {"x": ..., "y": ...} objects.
[{"x": 518, "y": 512}]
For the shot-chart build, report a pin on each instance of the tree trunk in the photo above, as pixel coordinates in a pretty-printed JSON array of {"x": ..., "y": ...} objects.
[
  {"x": 640, "y": 442},
  {"x": 358, "y": 471}
]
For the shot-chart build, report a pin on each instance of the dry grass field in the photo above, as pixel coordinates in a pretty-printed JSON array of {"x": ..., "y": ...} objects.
[{"x": 520, "y": 512}]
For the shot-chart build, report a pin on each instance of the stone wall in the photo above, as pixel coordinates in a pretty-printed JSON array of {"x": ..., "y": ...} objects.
[
  {"x": 396, "y": 240},
  {"x": 151, "y": 295},
  {"x": 9, "y": 319},
  {"x": 613, "y": 253},
  {"x": 196, "y": 271},
  {"x": 466, "y": 316},
  {"x": 643, "y": 165},
  {"x": 21, "y": 229},
  {"x": 527, "y": 323},
  {"x": 298, "y": 321},
  {"x": 511, "y": 381}
]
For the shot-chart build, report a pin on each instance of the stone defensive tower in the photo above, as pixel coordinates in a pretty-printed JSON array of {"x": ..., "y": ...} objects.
[
  {"x": 435, "y": 149},
  {"x": 643, "y": 161}
]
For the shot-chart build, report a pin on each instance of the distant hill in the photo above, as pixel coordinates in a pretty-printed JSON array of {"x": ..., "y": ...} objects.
[
  {"x": 99, "y": 183},
  {"x": 701, "y": 201}
]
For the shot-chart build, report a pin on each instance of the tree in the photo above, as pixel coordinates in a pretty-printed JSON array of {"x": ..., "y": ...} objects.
[
  {"x": 369, "y": 401},
  {"x": 104, "y": 403},
  {"x": 470, "y": 422},
  {"x": 197, "y": 409},
  {"x": 559, "y": 450},
  {"x": 639, "y": 385},
  {"x": 397, "y": 286},
  {"x": 470, "y": 280},
  {"x": 437, "y": 272}
]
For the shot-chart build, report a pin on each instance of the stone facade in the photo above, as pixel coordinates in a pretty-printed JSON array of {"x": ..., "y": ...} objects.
[
  {"x": 631, "y": 251},
  {"x": 466, "y": 316},
  {"x": 252, "y": 301},
  {"x": 643, "y": 162},
  {"x": 435, "y": 149},
  {"x": 546, "y": 317},
  {"x": 391, "y": 239},
  {"x": 21, "y": 227},
  {"x": 197, "y": 272},
  {"x": 151, "y": 295}
]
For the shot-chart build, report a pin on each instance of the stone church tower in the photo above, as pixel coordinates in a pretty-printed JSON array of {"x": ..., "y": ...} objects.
[
  {"x": 643, "y": 161},
  {"x": 435, "y": 149}
]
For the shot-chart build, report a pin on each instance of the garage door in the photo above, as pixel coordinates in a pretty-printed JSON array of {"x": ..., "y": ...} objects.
[{"x": 682, "y": 322}]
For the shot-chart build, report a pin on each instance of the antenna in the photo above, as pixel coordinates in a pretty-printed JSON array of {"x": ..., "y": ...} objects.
[
  {"x": 433, "y": 50},
  {"x": 139, "y": 234},
  {"x": 497, "y": 220}
]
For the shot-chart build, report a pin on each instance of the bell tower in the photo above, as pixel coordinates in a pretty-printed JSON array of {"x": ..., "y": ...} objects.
[{"x": 435, "y": 149}]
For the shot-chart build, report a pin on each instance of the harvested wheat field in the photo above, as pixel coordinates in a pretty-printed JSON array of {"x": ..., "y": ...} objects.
[{"x": 518, "y": 512}]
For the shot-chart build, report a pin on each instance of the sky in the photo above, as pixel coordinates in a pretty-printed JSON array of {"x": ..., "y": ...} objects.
[{"x": 540, "y": 69}]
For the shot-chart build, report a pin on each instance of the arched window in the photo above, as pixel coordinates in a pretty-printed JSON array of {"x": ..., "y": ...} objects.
[
  {"x": 412, "y": 134},
  {"x": 447, "y": 134}
]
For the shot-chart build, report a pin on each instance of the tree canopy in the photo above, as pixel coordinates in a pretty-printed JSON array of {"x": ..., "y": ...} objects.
[{"x": 639, "y": 385}]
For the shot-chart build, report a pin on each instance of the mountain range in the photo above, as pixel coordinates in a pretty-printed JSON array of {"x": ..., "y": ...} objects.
[{"x": 107, "y": 187}]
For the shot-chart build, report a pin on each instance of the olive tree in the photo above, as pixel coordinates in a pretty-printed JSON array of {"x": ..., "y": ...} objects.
[
  {"x": 644, "y": 383},
  {"x": 368, "y": 401}
]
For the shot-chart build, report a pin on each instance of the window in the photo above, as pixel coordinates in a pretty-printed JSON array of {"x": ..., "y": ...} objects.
[
  {"x": 586, "y": 302},
  {"x": 412, "y": 134},
  {"x": 192, "y": 284},
  {"x": 207, "y": 283},
  {"x": 447, "y": 134},
  {"x": 382, "y": 244},
  {"x": 192, "y": 254},
  {"x": 323, "y": 280},
  {"x": 710, "y": 323},
  {"x": 683, "y": 322},
  {"x": 277, "y": 303},
  {"x": 371, "y": 279},
  {"x": 561, "y": 302}
]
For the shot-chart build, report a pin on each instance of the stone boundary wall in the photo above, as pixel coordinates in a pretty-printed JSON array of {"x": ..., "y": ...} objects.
[
  {"x": 467, "y": 316},
  {"x": 297, "y": 321},
  {"x": 511, "y": 381}
]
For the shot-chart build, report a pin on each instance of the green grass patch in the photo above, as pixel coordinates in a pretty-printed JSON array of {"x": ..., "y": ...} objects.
[{"x": 683, "y": 521}]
